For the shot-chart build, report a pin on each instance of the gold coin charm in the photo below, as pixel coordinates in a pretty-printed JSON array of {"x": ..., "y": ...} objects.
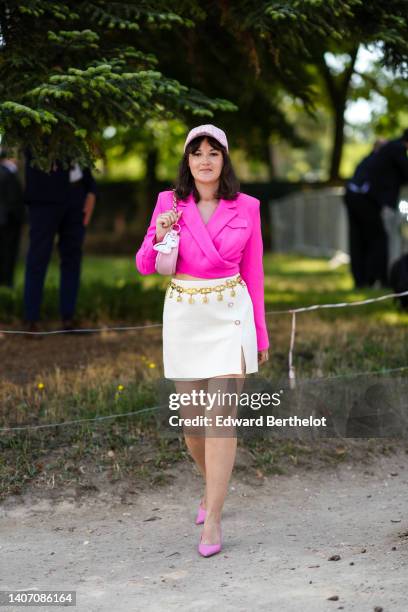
[{"x": 204, "y": 291}]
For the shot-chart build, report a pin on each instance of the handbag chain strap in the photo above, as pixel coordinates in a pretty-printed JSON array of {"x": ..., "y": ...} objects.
[{"x": 174, "y": 201}]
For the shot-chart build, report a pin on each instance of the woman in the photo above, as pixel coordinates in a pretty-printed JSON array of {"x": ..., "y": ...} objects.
[{"x": 214, "y": 329}]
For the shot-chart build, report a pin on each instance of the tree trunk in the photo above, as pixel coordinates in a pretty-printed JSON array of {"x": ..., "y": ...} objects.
[
  {"x": 148, "y": 199},
  {"x": 272, "y": 161},
  {"x": 338, "y": 138},
  {"x": 151, "y": 164},
  {"x": 338, "y": 88}
]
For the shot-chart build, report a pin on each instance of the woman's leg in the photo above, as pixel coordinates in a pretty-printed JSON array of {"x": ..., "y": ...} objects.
[
  {"x": 194, "y": 436},
  {"x": 220, "y": 451}
]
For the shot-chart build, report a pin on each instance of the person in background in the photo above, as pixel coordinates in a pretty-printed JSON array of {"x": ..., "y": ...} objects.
[
  {"x": 11, "y": 217},
  {"x": 60, "y": 202},
  {"x": 386, "y": 173},
  {"x": 367, "y": 235}
]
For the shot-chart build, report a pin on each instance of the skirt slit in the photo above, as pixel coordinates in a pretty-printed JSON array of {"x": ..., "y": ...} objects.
[{"x": 205, "y": 339}]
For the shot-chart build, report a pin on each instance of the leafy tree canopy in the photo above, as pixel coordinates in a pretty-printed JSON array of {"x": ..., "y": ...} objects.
[{"x": 68, "y": 69}]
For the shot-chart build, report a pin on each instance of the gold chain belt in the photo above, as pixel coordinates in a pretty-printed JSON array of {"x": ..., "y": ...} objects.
[{"x": 229, "y": 284}]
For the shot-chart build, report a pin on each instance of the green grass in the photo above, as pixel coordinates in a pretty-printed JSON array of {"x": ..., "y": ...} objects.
[
  {"x": 112, "y": 289},
  {"x": 292, "y": 282},
  {"x": 86, "y": 458},
  {"x": 328, "y": 342}
]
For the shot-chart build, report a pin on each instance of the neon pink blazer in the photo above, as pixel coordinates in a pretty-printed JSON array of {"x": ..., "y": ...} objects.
[{"x": 229, "y": 243}]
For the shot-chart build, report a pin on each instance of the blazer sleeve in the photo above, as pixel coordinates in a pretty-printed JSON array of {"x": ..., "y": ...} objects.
[
  {"x": 251, "y": 269},
  {"x": 146, "y": 255}
]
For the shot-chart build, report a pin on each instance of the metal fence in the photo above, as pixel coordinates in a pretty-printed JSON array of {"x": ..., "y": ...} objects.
[{"x": 314, "y": 222}]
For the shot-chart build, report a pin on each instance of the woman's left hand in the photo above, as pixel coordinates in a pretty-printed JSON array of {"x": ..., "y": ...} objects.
[{"x": 263, "y": 356}]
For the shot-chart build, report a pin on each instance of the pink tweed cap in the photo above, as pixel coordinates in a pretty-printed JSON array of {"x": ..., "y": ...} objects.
[{"x": 207, "y": 130}]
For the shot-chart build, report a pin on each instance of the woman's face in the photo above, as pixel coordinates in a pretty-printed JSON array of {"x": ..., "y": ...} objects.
[{"x": 206, "y": 163}]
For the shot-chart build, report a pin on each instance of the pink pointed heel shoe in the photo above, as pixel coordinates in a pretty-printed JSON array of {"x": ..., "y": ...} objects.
[
  {"x": 200, "y": 516},
  {"x": 207, "y": 550}
]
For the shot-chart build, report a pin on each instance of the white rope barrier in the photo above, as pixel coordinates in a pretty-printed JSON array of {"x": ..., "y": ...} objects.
[
  {"x": 294, "y": 311},
  {"x": 339, "y": 304},
  {"x": 149, "y": 326},
  {"x": 155, "y": 408},
  {"x": 292, "y": 375},
  {"x": 78, "y": 421},
  {"x": 91, "y": 330}
]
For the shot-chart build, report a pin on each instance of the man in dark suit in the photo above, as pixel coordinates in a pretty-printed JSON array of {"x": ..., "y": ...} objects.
[
  {"x": 367, "y": 235},
  {"x": 387, "y": 172},
  {"x": 11, "y": 217},
  {"x": 383, "y": 174},
  {"x": 60, "y": 202}
]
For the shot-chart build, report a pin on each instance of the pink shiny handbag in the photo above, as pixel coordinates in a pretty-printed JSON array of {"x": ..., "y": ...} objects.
[{"x": 167, "y": 249}]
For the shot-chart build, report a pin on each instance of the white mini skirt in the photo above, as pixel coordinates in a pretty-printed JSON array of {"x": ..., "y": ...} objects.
[{"x": 203, "y": 336}]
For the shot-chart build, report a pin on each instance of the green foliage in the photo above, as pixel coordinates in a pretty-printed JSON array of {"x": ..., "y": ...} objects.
[
  {"x": 68, "y": 69},
  {"x": 112, "y": 290},
  {"x": 256, "y": 53}
]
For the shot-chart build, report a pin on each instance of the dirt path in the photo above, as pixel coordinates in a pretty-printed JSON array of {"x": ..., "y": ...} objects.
[{"x": 279, "y": 535}]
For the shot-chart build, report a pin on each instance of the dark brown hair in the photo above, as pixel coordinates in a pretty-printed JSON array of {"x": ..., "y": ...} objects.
[{"x": 228, "y": 186}]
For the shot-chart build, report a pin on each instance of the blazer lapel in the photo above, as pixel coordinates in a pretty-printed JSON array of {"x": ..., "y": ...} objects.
[
  {"x": 204, "y": 234},
  {"x": 227, "y": 210}
]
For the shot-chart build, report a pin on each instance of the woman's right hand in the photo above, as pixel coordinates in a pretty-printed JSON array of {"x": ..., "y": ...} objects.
[{"x": 164, "y": 221}]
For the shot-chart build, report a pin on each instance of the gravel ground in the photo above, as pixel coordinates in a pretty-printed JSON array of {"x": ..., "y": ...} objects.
[{"x": 141, "y": 553}]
